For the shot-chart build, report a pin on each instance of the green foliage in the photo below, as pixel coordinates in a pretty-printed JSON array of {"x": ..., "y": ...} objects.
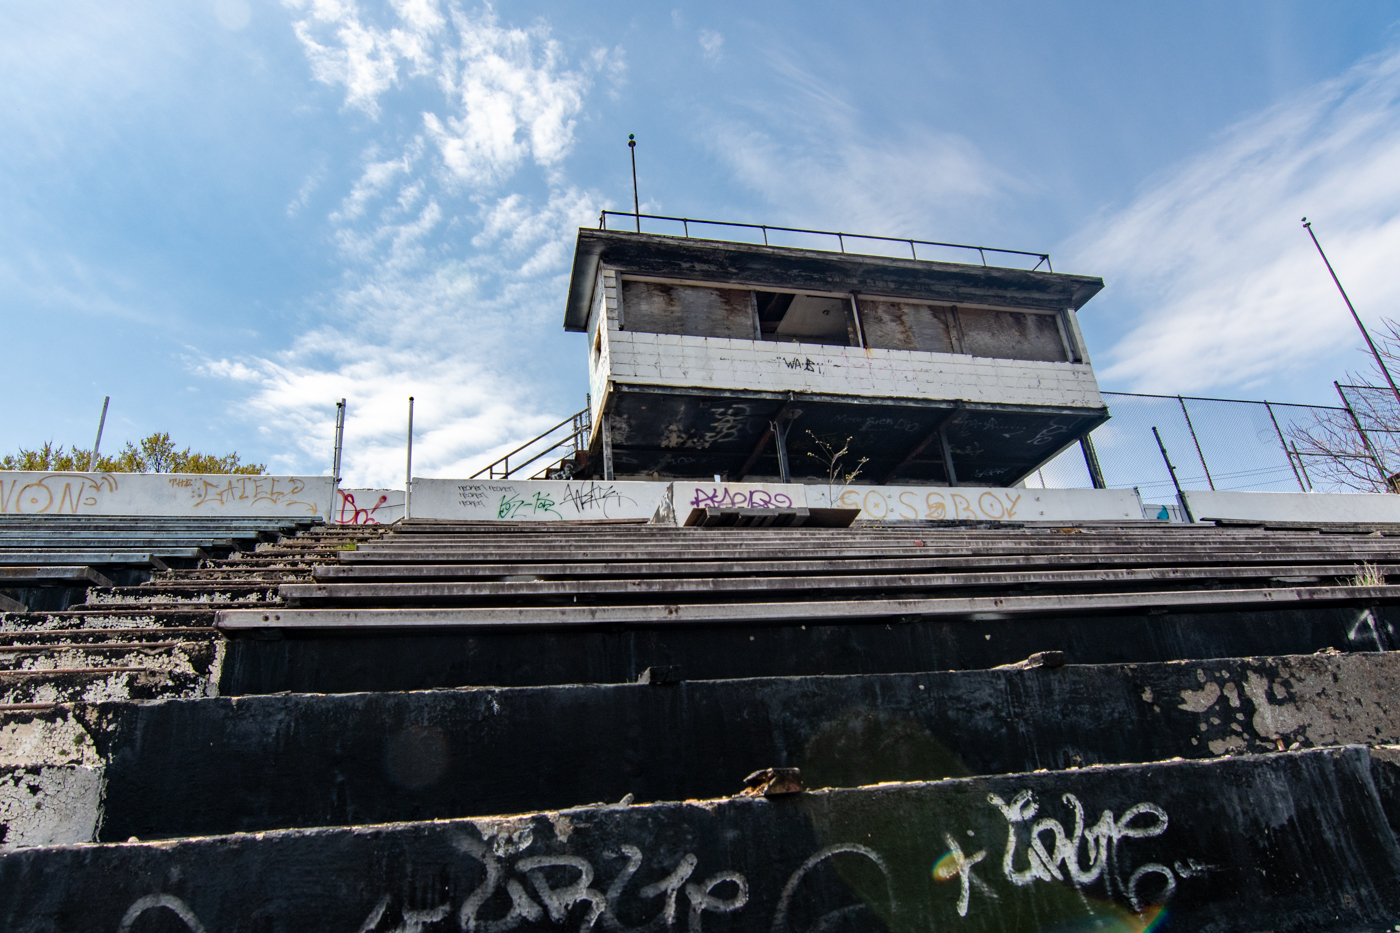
[{"x": 155, "y": 454}]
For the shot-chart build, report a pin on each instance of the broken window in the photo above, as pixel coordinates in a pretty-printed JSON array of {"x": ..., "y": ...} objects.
[{"x": 817, "y": 319}]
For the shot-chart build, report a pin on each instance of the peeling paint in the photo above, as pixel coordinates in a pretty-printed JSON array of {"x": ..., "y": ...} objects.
[{"x": 1198, "y": 701}]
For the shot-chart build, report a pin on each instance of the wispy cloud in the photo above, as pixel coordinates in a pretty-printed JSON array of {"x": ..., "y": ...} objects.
[
  {"x": 711, "y": 44},
  {"x": 1227, "y": 285},
  {"x": 445, "y": 268},
  {"x": 813, "y": 158}
]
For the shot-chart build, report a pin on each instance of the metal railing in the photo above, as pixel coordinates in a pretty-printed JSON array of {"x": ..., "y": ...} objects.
[
  {"x": 841, "y": 237},
  {"x": 577, "y": 438}
]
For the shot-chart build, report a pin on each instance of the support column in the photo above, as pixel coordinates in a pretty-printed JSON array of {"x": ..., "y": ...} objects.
[
  {"x": 1091, "y": 460},
  {"x": 607, "y": 448},
  {"x": 780, "y": 433},
  {"x": 947, "y": 455}
]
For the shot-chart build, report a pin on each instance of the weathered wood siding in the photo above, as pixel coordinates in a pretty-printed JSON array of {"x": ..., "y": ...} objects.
[
  {"x": 696, "y": 311},
  {"x": 1012, "y": 335},
  {"x": 904, "y": 325}
]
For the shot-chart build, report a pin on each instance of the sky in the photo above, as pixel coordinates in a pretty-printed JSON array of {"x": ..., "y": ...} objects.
[{"x": 229, "y": 214}]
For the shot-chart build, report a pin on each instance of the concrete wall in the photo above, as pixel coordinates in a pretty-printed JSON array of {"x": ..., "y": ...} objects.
[
  {"x": 367, "y": 506},
  {"x": 533, "y": 500},
  {"x": 907, "y": 503},
  {"x": 1294, "y": 506},
  {"x": 184, "y": 494},
  {"x": 557, "y": 500},
  {"x": 766, "y": 366}
]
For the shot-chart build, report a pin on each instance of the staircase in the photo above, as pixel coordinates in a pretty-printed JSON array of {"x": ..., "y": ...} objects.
[{"x": 623, "y": 727}]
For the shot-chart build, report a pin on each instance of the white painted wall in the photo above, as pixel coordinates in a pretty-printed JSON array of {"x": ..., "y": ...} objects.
[
  {"x": 908, "y": 503},
  {"x": 154, "y": 494},
  {"x": 367, "y": 506},
  {"x": 533, "y": 500},
  {"x": 558, "y": 500},
  {"x": 680, "y": 498},
  {"x": 1294, "y": 506},
  {"x": 767, "y": 366}
]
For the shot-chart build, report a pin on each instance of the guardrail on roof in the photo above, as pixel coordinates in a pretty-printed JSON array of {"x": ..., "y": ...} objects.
[{"x": 841, "y": 237}]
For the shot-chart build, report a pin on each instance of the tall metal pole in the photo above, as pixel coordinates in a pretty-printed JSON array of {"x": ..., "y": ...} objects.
[
  {"x": 1284, "y": 444},
  {"x": 636, "y": 203},
  {"x": 1302, "y": 466},
  {"x": 1185, "y": 509},
  {"x": 335, "y": 460},
  {"x": 1354, "y": 316},
  {"x": 408, "y": 470},
  {"x": 1196, "y": 440},
  {"x": 1380, "y": 467},
  {"x": 101, "y": 423}
]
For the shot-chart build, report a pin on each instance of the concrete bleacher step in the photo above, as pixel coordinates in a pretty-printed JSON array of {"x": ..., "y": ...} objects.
[
  {"x": 436, "y": 592},
  {"x": 205, "y": 766},
  {"x": 1295, "y": 841},
  {"x": 96, "y": 684},
  {"x": 340, "y": 660}
]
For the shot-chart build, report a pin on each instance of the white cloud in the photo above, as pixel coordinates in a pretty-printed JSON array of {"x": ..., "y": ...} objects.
[
  {"x": 365, "y": 58},
  {"x": 830, "y": 171},
  {"x": 711, "y": 44},
  {"x": 445, "y": 276},
  {"x": 515, "y": 98},
  {"x": 1229, "y": 287}
]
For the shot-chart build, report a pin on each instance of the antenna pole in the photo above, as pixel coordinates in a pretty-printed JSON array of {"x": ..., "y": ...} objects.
[
  {"x": 408, "y": 470},
  {"x": 636, "y": 203},
  {"x": 101, "y": 423},
  {"x": 1354, "y": 316}
]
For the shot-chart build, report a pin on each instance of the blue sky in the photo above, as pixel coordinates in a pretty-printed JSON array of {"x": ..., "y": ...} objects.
[{"x": 227, "y": 214}]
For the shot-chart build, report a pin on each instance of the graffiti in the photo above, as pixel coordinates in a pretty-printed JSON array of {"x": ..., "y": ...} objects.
[
  {"x": 165, "y": 902},
  {"x": 276, "y": 490},
  {"x": 54, "y": 494},
  {"x": 358, "y": 516},
  {"x": 588, "y": 496},
  {"x": 806, "y": 364},
  {"x": 725, "y": 498},
  {"x": 1048, "y": 435},
  {"x": 724, "y": 426},
  {"x": 502, "y": 902},
  {"x": 829, "y": 921},
  {"x": 514, "y": 505},
  {"x": 910, "y": 504},
  {"x": 1083, "y": 857}
]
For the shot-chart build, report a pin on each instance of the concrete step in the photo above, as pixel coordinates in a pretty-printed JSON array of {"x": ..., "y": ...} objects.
[
  {"x": 1285, "y": 842},
  {"x": 816, "y": 585},
  {"x": 77, "y": 636},
  {"x": 96, "y": 684},
  {"x": 336, "y": 660},
  {"x": 196, "y": 657},
  {"x": 134, "y": 616},
  {"x": 195, "y": 767},
  {"x": 543, "y": 615}
]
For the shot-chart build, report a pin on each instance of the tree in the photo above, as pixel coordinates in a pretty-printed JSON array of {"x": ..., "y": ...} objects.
[
  {"x": 830, "y": 458},
  {"x": 1334, "y": 452},
  {"x": 155, "y": 454}
]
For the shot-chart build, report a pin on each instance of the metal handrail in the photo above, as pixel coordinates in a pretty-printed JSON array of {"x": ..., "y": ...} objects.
[
  {"x": 504, "y": 462},
  {"x": 685, "y": 223}
]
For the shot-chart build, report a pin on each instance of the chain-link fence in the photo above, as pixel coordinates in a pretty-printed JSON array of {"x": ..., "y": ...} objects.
[{"x": 1230, "y": 444}]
